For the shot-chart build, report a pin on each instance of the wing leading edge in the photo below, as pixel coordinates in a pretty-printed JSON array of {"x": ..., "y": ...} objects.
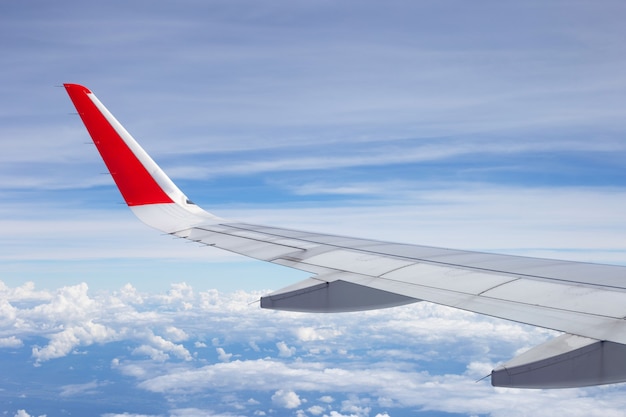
[{"x": 585, "y": 301}]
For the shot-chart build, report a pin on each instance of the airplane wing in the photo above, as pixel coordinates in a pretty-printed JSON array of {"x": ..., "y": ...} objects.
[{"x": 587, "y": 302}]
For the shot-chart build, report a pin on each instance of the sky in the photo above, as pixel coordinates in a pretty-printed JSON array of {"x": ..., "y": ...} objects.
[{"x": 490, "y": 125}]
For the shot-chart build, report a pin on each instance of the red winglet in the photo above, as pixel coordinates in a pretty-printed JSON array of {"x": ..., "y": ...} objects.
[{"x": 134, "y": 181}]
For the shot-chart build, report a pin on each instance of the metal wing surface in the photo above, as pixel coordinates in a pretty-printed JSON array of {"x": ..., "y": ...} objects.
[{"x": 587, "y": 302}]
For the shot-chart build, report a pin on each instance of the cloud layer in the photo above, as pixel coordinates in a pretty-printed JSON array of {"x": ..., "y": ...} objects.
[
  {"x": 188, "y": 347},
  {"x": 492, "y": 126}
]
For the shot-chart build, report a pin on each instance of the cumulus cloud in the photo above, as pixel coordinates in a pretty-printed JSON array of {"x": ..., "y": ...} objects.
[
  {"x": 64, "y": 342},
  {"x": 285, "y": 351},
  {"x": 450, "y": 393},
  {"x": 165, "y": 345},
  {"x": 286, "y": 399},
  {"x": 308, "y": 334},
  {"x": 10, "y": 342},
  {"x": 154, "y": 354},
  {"x": 69, "y": 303},
  {"x": 471, "y": 99},
  {"x": 176, "y": 335},
  {"x": 222, "y": 355},
  {"x": 181, "y": 294},
  {"x": 348, "y": 363},
  {"x": 129, "y": 294},
  {"x": 316, "y": 410},
  {"x": 24, "y": 292}
]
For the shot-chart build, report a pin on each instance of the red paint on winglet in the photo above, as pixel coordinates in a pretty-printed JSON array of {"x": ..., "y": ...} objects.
[
  {"x": 134, "y": 181},
  {"x": 77, "y": 87}
]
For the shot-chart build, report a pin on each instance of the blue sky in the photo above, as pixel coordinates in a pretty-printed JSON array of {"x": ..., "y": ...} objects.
[{"x": 488, "y": 125}]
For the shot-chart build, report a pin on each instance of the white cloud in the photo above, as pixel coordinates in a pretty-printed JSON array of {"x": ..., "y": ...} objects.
[
  {"x": 154, "y": 354},
  {"x": 288, "y": 92},
  {"x": 474, "y": 216},
  {"x": 10, "y": 342},
  {"x": 374, "y": 156},
  {"x": 198, "y": 412},
  {"x": 8, "y": 312},
  {"x": 64, "y": 342},
  {"x": 479, "y": 370},
  {"x": 24, "y": 292},
  {"x": 382, "y": 356},
  {"x": 23, "y": 413},
  {"x": 180, "y": 293},
  {"x": 286, "y": 399},
  {"x": 338, "y": 414},
  {"x": 222, "y": 355},
  {"x": 168, "y": 346},
  {"x": 356, "y": 406},
  {"x": 89, "y": 388},
  {"x": 176, "y": 335},
  {"x": 316, "y": 410},
  {"x": 129, "y": 294},
  {"x": 285, "y": 351},
  {"x": 70, "y": 303},
  {"x": 308, "y": 334}
]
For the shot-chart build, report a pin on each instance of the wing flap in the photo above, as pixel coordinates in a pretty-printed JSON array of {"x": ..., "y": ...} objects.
[
  {"x": 567, "y": 361},
  {"x": 331, "y": 294}
]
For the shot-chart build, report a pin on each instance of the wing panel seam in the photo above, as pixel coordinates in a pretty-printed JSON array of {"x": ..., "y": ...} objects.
[
  {"x": 517, "y": 275},
  {"x": 469, "y": 294},
  {"x": 249, "y": 238}
]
